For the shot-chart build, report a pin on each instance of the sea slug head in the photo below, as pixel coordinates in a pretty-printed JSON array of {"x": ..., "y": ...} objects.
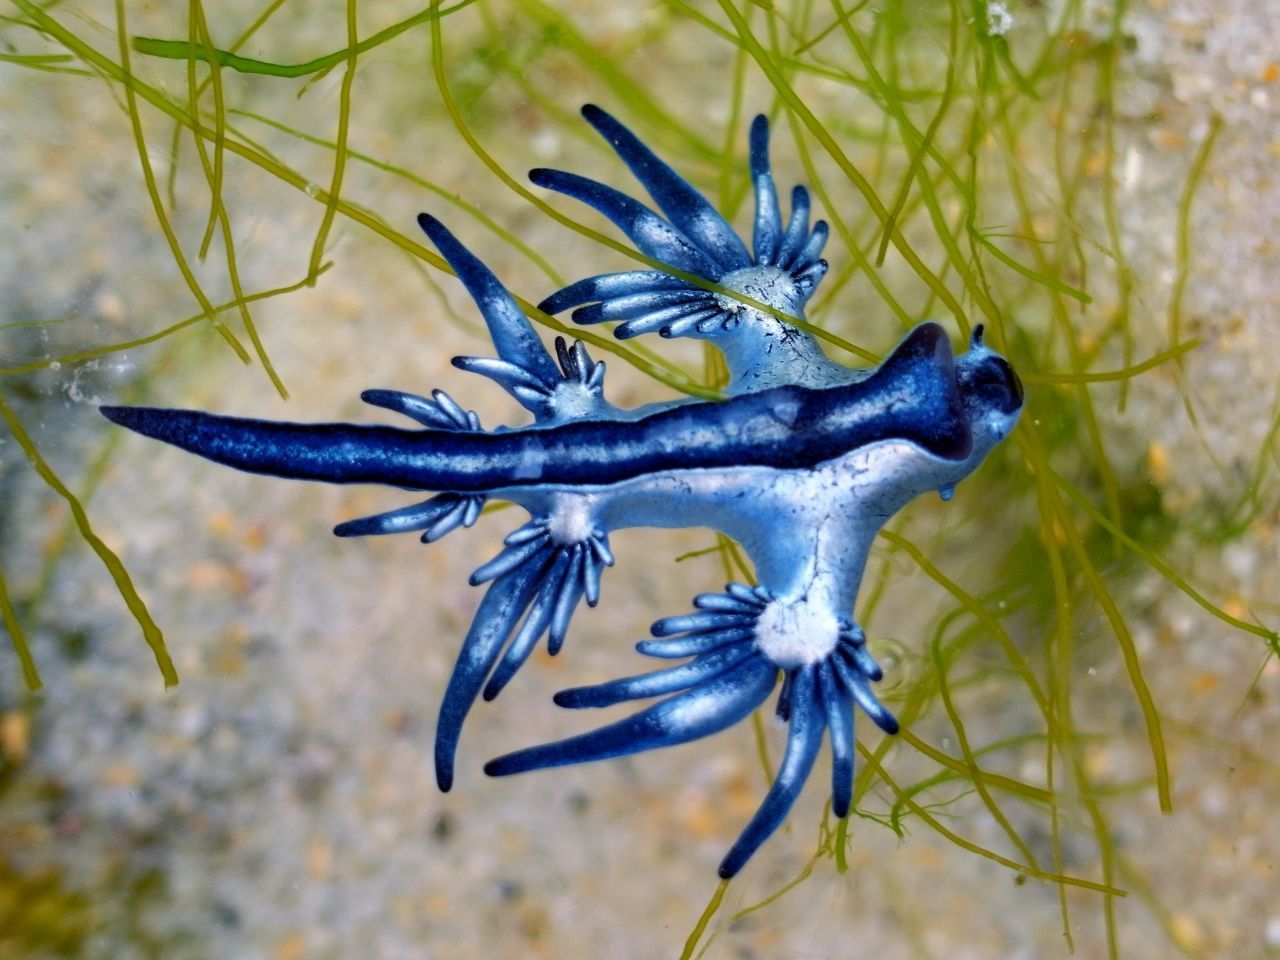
[{"x": 990, "y": 392}]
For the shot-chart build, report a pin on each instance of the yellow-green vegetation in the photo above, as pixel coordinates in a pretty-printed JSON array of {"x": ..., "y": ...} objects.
[
  {"x": 969, "y": 174},
  {"x": 41, "y": 914}
]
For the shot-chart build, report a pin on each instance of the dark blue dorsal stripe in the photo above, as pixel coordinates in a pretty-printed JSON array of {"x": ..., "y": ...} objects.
[{"x": 913, "y": 396}]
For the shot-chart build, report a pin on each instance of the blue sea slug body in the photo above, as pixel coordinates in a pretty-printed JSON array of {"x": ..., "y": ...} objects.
[{"x": 801, "y": 463}]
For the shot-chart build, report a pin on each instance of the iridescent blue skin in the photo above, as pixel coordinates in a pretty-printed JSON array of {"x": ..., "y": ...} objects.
[{"x": 802, "y": 463}]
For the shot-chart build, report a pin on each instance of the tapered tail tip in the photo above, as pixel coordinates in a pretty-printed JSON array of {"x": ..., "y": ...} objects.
[
  {"x": 147, "y": 421},
  {"x": 120, "y": 415}
]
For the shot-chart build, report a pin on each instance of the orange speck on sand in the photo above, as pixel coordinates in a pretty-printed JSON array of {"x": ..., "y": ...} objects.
[
  {"x": 1099, "y": 763},
  {"x": 1233, "y": 607},
  {"x": 1270, "y": 73},
  {"x": 543, "y": 656},
  {"x": 120, "y": 775},
  {"x": 1158, "y": 467},
  {"x": 1206, "y": 683},
  {"x": 923, "y": 857},
  {"x": 255, "y": 537},
  {"x": 221, "y": 523},
  {"x": 699, "y": 817},
  {"x": 767, "y": 938},
  {"x": 437, "y": 907},
  {"x": 228, "y": 660},
  {"x": 292, "y": 947},
  {"x": 515, "y": 842},
  {"x": 741, "y": 796},
  {"x": 15, "y": 736},
  {"x": 320, "y": 859},
  {"x": 206, "y": 575},
  {"x": 1168, "y": 139},
  {"x": 1187, "y": 932}
]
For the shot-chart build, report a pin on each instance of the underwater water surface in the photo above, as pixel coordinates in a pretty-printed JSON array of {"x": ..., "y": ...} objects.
[{"x": 216, "y": 717}]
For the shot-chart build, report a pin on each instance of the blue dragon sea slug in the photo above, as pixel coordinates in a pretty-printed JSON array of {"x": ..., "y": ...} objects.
[{"x": 802, "y": 463}]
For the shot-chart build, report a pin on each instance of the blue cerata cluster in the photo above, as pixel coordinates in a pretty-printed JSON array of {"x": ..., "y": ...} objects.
[{"x": 802, "y": 463}]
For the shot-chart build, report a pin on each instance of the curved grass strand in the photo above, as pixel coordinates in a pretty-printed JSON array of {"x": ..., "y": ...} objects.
[
  {"x": 636, "y": 97},
  {"x": 185, "y": 49},
  {"x": 1055, "y": 521},
  {"x": 1154, "y": 561},
  {"x": 213, "y": 173},
  {"x": 733, "y": 183},
  {"x": 124, "y": 345},
  {"x": 45, "y": 63},
  {"x": 970, "y": 760},
  {"x": 1171, "y": 922},
  {"x": 1128, "y": 651},
  {"x": 975, "y": 607},
  {"x": 921, "y": 144},
  {"x": 267, "y": 13},
  {"x": 664, "y": 371},
  {"x": 1023, "y": 789},
  {"x": 1110, "y": 209},
  {"x": 846, "y": 234},
  {"x": 823, "y": 136},
  {"x": 218, "y": 215},
  {"x": 841, "y": 845},
  {"x": 497, "y": 169},
  {"x": 1182, "y": 254},
  {"x": 972, "y": 847},
  {"x": 954, "y": 769},
  {"x": 709, "y": 911},
  {"x": 124, "y": 583},
  {"x": 1059, "y": 644},
  {"x": 455, "y": 114},
  {"x": 340, "y": 149},
  {"x": 1035, "y": 276},
  {"x": 149, "y": 178},
  {"x": 1267, "y": 452},
  {"x": 1061, "y": 318},
  {"x": 890, "y": 97},
  {"x": 1110, "y": 376},
  {"x": 783, "y": 890},
  {"x": 30, "y": 675},
  {"x": 471, "y": 210}
]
